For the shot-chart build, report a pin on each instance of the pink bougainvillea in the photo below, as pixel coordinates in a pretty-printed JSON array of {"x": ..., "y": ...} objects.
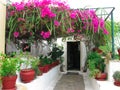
[
  {"x": 73, "y": 15},
  {"x": 70, "y": 30},
  {"x": 45, "y": 35},
  {"x": 16, "y": 34},
  {"x": 19, "y": 6},
  {"x": 43, "y": 19},
  {"x": 56, "y": 23}
]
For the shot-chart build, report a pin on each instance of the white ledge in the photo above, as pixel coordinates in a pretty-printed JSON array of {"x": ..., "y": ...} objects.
[{"x": 42, "y": 82}]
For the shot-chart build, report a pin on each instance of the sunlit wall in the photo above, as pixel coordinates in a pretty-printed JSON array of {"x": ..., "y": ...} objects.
[{"x": 2, "y": 25}]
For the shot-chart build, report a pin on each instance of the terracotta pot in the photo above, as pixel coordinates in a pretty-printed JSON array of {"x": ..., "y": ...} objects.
[
  {"x": 41, "y": 68},
  {"x": 53, "y": 64},
  {"x": 119, "y": 51},
  {"x": 117, "y": 83},
  {"x": 101, "y": 77},
  {"x": 47, "y": 68},
  {"x": 27, "y": 75},
  {"x": 57, "y": 62},
  {"x": 96, "y": 49},
  {"x": 9, "y": 82}
]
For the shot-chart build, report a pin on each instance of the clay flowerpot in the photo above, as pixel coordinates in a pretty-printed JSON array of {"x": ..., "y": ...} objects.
[
  {"x": 101, "y": 76},
  {"x": 9, "y": 82},
  {"x": 53, "y": 64},
  {"x": 117, "y": 83},
  {"x": 27, "y": 75},
  {"x": 47, "y": 68},
  {"x": 56, "y": 63},
  {"x": 119, "y": 51},
  {"x": 97, "y": 50},
  {"x": 41, "y": 68}
]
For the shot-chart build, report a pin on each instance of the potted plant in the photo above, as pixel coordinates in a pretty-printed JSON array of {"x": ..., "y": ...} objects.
[
  {"x": 116, "y": 76},
  {"x": 45, "y": 63},
  {"x": 102, "y": 75},
  {"x": 118, "y": 52},
  {"x": 56, "y": 53},
  {"x": 8, "y": 68},
  {"x": 96, "y": 66},
  {"x": 29, "y": 68}
]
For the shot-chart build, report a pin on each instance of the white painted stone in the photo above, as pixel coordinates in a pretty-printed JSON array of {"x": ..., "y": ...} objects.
[{"x": 44, "y": 82}]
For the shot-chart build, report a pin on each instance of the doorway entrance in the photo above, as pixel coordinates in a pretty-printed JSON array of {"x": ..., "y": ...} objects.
[{"x": 73, "y": 55}]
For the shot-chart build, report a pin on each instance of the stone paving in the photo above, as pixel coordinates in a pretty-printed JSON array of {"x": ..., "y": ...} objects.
[{"x": 70, "y": 82}]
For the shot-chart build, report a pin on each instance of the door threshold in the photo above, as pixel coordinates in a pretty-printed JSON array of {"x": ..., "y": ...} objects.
[{"x": 75, "y": 71}]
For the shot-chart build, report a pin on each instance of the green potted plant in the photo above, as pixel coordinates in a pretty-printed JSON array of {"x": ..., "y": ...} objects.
[
  {"x": 8, "y": 68},
  {"x": 116, "y": 76},
  {"x": 45, "y": 63},
  {"x": 96, "y": 66},
  {"x": 56, "y": 54},
  {"x": 102, "y": 75},
  {"x": 29, "y": 68}
]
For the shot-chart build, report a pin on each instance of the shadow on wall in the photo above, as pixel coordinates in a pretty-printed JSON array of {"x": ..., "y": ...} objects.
[{"x": 35, "y": 49}]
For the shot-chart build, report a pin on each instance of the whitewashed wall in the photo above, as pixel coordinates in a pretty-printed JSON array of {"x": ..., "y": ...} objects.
[
  {"x": 114, "y": 65},
  {"x": 83, "y": 54},
  {"x": 45, "y": 82},
  {"x": 36, "y": 48}
]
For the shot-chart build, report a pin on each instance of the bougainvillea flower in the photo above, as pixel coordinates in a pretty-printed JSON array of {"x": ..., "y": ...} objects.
[
  {"x": 12, "y": 13},
  {"x": 105, "y": 31},
  {"x": 47, "y": 12},
  {"x": 70, "y": 30},
  {"x": 16, "y": 34},
  {"x": 51, "y": 15},
  {"x": 20, "y": 19},
  {"x": 73, "y": 15},
  {"x": 78, "y": 31},
  {"x": 19, "y": 6},
  {"x": 45, "y": 35},
  {"x": 102, "y": 24},
  {"x": 56, "y": 23}
]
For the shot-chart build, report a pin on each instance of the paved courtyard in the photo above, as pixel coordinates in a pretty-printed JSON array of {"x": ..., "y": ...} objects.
[{"x": 70, "y": 81}]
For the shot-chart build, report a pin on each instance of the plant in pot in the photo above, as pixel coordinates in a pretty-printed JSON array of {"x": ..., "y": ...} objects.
[
  {"x": 8, "y": 68},
  {"x": 116, "y": 76},
  {"x": 96, "y": 66},
  {"x": 56, "y": 54},
  {"x": 101, "y": 67},
  {"x": 118, "y": 49},
  {"x": 45, "y": 63},
  {"x": 29, "y": 68}
]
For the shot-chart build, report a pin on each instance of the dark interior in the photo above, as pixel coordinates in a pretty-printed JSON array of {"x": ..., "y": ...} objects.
[{"x": 73, "y": 55}]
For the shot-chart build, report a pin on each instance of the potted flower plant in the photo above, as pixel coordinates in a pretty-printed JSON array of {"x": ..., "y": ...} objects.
[
  {"x": 56, "y": 53},
  {"x": 116, "y": 76},
  {"x": 45, "y": 63},
  {"x": 29, "y": 68},
  {"x": 96, "y": 66},
  {"x": 8, "y": 67}
]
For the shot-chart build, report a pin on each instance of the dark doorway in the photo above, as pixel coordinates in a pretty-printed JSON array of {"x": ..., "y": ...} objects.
[{"x": 73, "y": 55}]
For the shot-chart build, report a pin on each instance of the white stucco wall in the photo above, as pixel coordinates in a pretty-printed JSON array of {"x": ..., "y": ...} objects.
[
  {"x": 45, "y": 82},
  {"x": 114, "y": 65},
  {"x": 2, "y": 25},
  {"x": 83, "y": 54}
]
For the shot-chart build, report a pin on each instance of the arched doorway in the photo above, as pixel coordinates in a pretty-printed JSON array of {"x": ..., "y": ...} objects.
[{"x": 73, "y": 55}]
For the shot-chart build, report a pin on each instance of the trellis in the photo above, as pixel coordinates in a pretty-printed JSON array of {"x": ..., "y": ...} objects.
[{"x": 106, "y": 13}]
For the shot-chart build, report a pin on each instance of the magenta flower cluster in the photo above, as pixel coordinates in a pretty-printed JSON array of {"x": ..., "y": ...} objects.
[
  {"x": 47, "y": 12},
  {"x": 47, "y": 19},
  {"x": 45, "y": 35}
]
